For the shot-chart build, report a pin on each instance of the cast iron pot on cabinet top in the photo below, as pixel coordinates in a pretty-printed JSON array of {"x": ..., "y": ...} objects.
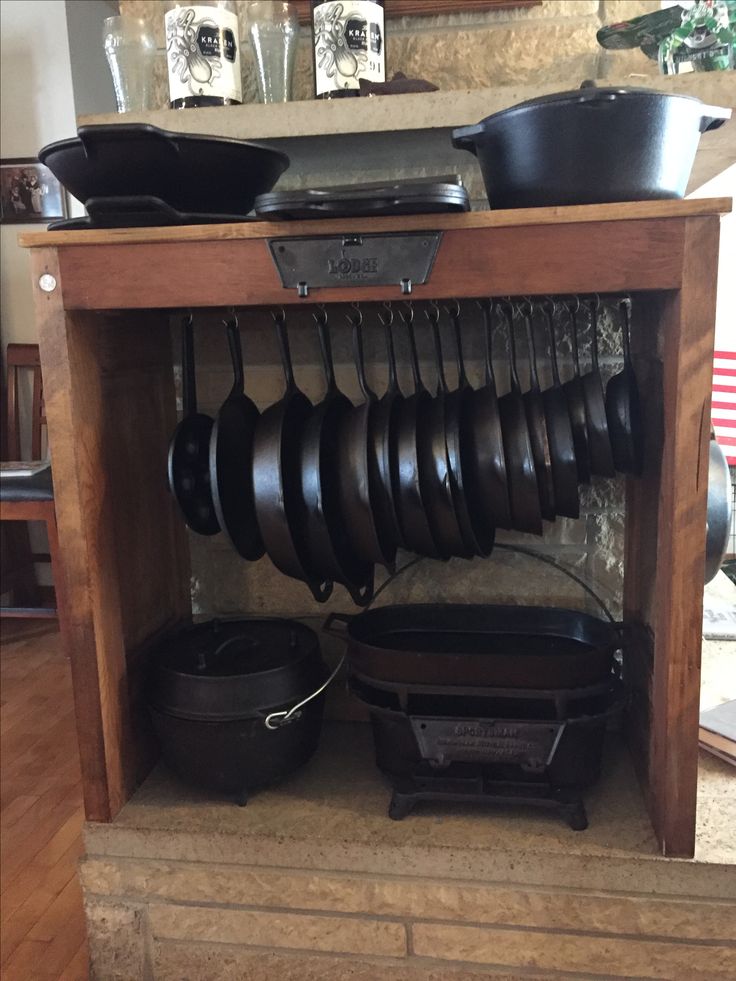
[
  {"x": 589, "y": 146},
  {"x": 237, "y": 704}
]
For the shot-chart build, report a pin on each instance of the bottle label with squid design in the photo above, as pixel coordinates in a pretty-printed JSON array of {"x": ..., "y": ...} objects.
[
  {"x": 348, "y": 44},
  {"x": 203, "y": 53}
]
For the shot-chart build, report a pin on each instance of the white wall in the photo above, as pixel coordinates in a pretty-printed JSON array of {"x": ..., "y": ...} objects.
[{"x": 36, "y": 107}]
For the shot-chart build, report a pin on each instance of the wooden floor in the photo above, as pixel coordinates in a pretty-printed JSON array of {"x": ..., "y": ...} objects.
[{"x": 42, "y": 933}]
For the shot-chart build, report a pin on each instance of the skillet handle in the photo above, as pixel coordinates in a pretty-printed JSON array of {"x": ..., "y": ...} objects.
[
  {"x": 713, "y": 117},
  {"x": 328, "y": 626},
  {"x": 91, "y": 136},
  {"x": 236, "y": 355}
]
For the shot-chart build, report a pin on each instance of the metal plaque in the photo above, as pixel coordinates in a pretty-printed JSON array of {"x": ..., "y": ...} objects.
[
  {"x": 328, "y": 261},
  {"x": 444, "y": 741}
]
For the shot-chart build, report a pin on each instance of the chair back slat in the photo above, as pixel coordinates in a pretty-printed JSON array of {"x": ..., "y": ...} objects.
[{"x": 19, "y": 357}]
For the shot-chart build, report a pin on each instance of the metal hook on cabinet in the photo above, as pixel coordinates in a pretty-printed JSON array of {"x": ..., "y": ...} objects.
[
  {"x": 407, "y": 314},
  {"x": 453, "y": 311},
  {"x": 386, "y": 319},
  {"x": 355, "y": 317},
  {"x": 320, "y": 316},
  {"x": 279, "y": 316},
  {"x": 432, "y": 312}
]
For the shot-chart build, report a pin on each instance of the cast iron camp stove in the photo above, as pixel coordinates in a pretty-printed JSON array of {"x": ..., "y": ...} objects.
[{"x": 490, "y": 746}]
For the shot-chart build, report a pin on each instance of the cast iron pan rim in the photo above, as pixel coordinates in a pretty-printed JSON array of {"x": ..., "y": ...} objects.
[{"x": 147, "y": 129}]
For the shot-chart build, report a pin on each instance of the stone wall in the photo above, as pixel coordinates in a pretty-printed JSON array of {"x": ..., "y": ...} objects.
[{"x": 553, "y": 41}]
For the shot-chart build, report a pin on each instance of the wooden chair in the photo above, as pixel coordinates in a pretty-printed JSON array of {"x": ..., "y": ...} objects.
[{"x": 24, "y": 499}]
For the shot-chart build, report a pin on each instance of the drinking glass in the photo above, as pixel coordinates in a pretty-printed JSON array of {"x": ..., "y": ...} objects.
[
  {"x": 273, "y": 28},
  {"x": 130, "y": 50}
]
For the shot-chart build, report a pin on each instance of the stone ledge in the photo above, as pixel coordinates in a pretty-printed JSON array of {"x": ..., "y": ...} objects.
[{"x": 332, "y": 817}]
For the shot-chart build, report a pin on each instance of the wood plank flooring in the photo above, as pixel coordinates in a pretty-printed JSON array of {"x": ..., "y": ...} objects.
[{"x": 42, "y": 932}]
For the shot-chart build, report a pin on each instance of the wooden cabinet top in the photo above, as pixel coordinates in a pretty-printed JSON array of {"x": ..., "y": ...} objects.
[{"x": 575, "y": 214}]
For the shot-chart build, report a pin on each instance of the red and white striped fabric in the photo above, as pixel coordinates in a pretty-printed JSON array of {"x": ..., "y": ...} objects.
[{"x": 723, "y": 406}]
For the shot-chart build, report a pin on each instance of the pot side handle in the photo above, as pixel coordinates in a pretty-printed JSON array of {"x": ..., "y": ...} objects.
[
  {"x": 712, "y": 117},
  {"x": 329, "y": 627},
  {"x": 464, "y": 137}
]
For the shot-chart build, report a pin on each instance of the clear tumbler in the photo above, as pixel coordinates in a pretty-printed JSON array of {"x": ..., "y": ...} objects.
[
  {"x": 273, "y": 28},
  {"x": 130, "y": 50}
]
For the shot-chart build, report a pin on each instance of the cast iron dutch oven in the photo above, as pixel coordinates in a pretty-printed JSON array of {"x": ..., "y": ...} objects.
[
  {"x": 589, "y": 146},
  {"x": 219, "y": 693}
]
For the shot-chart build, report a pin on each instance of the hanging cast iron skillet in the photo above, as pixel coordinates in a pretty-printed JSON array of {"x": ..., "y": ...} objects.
[
  {"x": 328, "y": 545},
  {"x": 409, "y": 491},
  {"x": 484, "y": 462},
  {"x": 434, "y": 461},
  {"x": 523, "y": 490},
  {"x": 573, "y": 389},
  {"x": 623, "y": 408},
  {"x": 382, "y": 439},
  {"x": 277, "y": 477},
  {"x": 537, "y": 423},
  {"x": 231, "y": 460},
  {"x": 599, "y": 445},
  {"x": 189, "y": 173},
  {"x": 559, "y": 431},
  {"x": 189, "y": 450},
  {"x": 478, "y": 536},
  {"x": 359, "y": 480}
]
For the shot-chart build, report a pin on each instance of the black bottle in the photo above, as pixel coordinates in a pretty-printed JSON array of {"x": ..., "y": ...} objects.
[{"x": 349, "y": 43}]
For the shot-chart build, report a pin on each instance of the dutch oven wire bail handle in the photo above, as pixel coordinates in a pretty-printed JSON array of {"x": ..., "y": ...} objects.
[{"x": 275, "y": 720}]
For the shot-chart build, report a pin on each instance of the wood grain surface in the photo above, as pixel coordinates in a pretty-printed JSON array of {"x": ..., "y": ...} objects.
[
  {"x": 407, "y": 223},
  {"x": 665, "y": 539},
  {"x": 41, "y": 811},
  {"x": 641, "y": 254}
]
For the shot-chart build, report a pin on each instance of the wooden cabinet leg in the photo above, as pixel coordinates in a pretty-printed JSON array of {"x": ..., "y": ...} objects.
[{"x": 665, "y": 542}]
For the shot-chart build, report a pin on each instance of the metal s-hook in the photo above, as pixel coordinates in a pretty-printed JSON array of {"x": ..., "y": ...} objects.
[
  {"x": 407, "y": 315},
  {"x": 432, "y": 313},
  {"x": 320, "y": 316},
  {"x": 355, "y": 318},
  {"x": 388, "y": 319},
  {"x": 455, "y": 310},
  {"x": 279, "y": 316}
]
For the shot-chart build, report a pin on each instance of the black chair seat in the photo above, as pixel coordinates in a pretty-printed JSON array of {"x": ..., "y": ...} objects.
[{"x": 37, "y": 487}]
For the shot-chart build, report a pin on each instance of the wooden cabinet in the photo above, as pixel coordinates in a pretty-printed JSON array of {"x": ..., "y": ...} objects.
[{"x": 103, "y": 300}]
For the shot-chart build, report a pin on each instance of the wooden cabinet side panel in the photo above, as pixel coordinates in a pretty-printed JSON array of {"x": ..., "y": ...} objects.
[
  {"x": 123, "y": 581},
  {"x": 665, "y": 542}
]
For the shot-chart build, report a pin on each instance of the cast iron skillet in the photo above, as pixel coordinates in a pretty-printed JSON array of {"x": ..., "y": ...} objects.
[
  {"x": 599, "y": 445},
  {"x": 189, "y": 450},
  {"x": 359, "y": 480},
  {"x": 190, "y": 173},
  {"x": 523, "y": 489},
  {"x": 559, "y": 431},
  {"x": 623, "y": 408},
  {"x": 324, "y": 521},
  {"x": 231, "y": 459},
  {"x": 277, "y": 477},
  {"x": 537, "y": 423},
  {"x": 573, "y": 389},
  {"x": 484, "y": 462},
  {"x": 477, "y": 535},
  {"x": 409, "y": 492},
  {"x": 434, "y": 461},
  {"x": 382, "y": 439}
]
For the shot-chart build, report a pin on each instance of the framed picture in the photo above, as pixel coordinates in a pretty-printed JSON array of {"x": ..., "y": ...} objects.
[{"x": 29, "y": 192}]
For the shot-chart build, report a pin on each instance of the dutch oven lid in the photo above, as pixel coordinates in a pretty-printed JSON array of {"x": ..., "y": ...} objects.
[
  {"x": 589, "y": 92},
  {"x": 235, "y": 669}
]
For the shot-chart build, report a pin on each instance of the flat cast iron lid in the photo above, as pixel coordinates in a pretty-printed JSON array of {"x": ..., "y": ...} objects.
[
  {"x": 234, "y": 669},
  {"x": 419, "y": 196}
]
